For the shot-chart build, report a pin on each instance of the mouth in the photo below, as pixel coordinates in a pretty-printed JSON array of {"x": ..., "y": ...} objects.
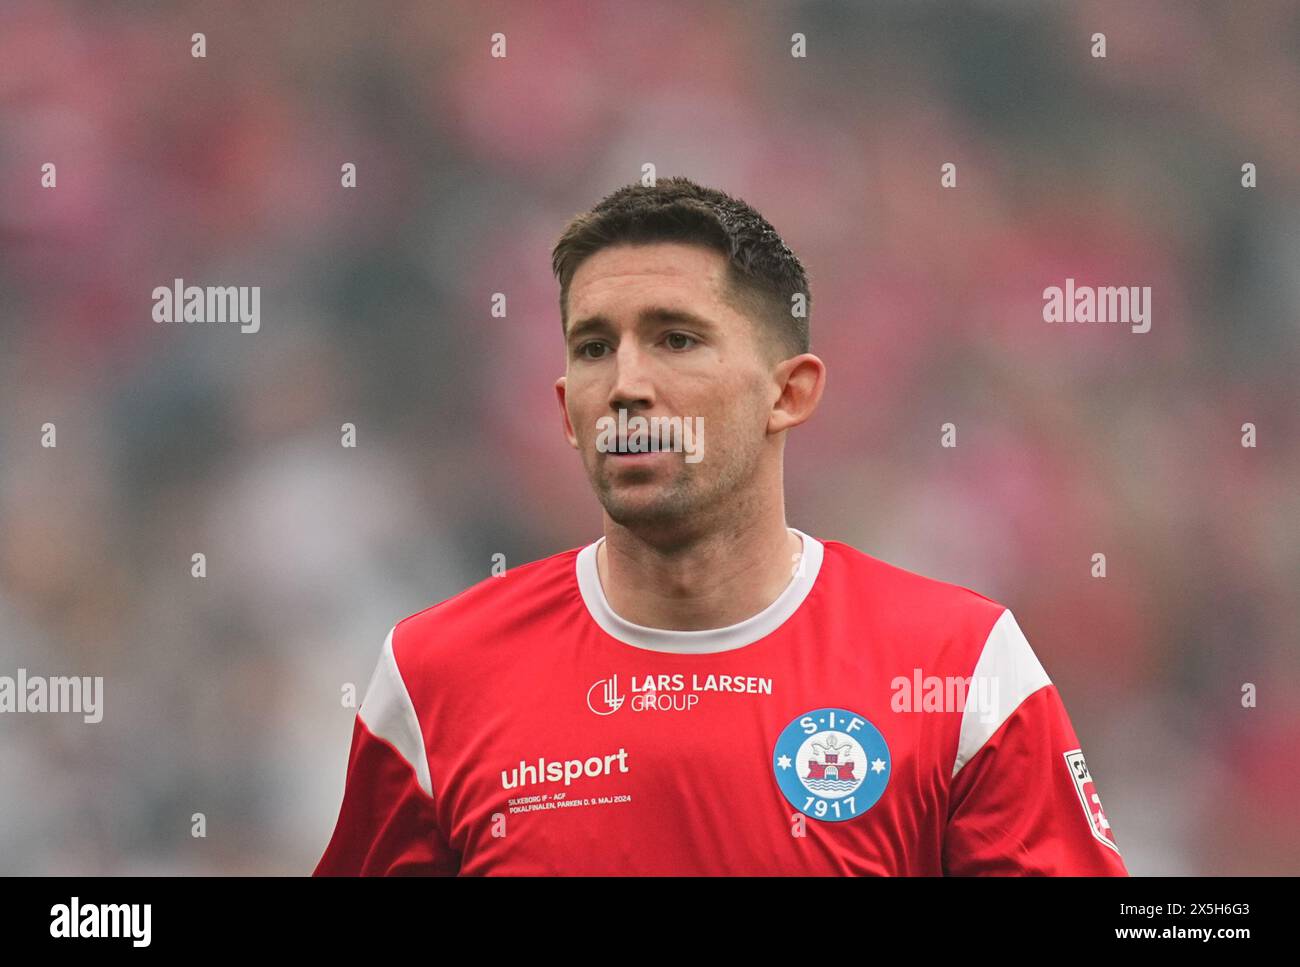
[
  {"x": 623, "y": 455},
  {"x": 626, "y": 454}
]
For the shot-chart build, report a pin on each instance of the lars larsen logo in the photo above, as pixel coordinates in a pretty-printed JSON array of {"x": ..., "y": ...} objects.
[
  {"x": 604, "y": 697},
  {"x": 609, "y": 700},
  {"x": 831, "y": 764},
  {"x": 669, "y": 693}
]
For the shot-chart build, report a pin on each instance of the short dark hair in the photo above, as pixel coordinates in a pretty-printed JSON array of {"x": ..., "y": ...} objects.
[{"x": 763, "y": 274}]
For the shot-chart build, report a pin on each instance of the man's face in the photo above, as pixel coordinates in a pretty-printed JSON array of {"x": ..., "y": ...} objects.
[{"x": 651, "y": 332}]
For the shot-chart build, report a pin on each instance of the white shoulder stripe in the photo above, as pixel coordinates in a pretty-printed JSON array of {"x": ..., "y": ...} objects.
[
  {"x": 1006, "y": 674},
  {"x": 389, "y": 713}
]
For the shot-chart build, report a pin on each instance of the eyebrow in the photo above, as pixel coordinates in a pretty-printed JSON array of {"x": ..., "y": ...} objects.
[{"x": 599, "y": 323}]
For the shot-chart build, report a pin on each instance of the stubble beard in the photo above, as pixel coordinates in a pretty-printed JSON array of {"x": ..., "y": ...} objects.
[{"x": 682, "y": 499}]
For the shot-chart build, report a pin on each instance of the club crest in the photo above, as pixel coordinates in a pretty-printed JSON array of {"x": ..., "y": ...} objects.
[{"x": 831, "y": 764}]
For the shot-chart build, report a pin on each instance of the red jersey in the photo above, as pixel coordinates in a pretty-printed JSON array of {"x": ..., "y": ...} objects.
[{"x": 869, "y": 721}]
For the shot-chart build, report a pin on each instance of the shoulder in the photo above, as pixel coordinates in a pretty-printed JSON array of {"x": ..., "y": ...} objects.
[
  {"x": 905, "y": 600},
  {"x": 486, "y": 611},
  {"x": 448, "y": 640},
  {"x": 496, "y": 596},
  {"x": 947, "y": 630},
  {"x": 945, "y": 626}
]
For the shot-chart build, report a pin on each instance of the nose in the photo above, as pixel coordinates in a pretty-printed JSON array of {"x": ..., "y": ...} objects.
[{"x": 633, "y": 387}]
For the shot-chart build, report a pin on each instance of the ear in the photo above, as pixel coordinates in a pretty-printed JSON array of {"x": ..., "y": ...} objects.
[
  {"x": 560, "y": 388},
  {"x": 799, "y": 381}
]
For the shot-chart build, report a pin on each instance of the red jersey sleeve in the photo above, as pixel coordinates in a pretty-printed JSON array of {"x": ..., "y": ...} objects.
[
  {"x": 1021, "y": 800},
  {"x": 387, "y": 825}
]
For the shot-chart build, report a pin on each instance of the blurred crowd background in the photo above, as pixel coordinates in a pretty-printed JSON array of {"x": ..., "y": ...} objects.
[{"x": 223, "y": 694}]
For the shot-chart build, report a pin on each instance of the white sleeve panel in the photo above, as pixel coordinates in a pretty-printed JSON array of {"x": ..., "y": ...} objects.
[
  {"x": 1006, "y": 674},
  {"x": 389, "y": 713}
]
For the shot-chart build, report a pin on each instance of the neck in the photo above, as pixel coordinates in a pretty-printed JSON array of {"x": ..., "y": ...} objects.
[{"x": 711, "y": 579}]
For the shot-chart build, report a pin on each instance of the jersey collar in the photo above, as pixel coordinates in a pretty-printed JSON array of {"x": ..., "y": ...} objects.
[{"x": 697, "y": 642}]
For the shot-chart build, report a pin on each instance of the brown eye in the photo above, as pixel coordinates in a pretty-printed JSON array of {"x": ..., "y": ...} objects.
[
  {"x": 582, "y": 350},
  {"x": 673, "y": 338}
]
